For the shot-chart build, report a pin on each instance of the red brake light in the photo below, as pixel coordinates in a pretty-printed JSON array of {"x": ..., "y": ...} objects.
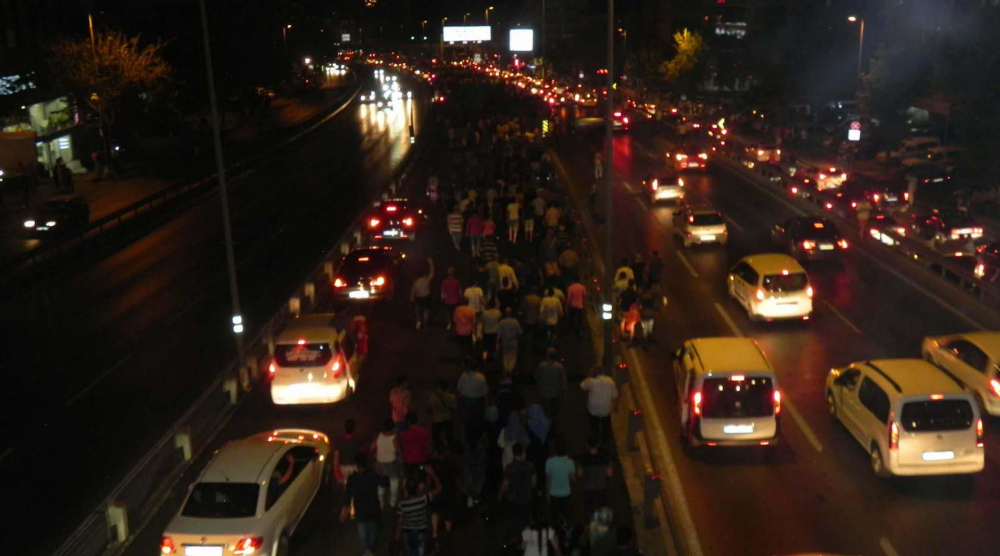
[
  {"x": 272, "y": 369},
  {"x": 691, "y": 219},
  {"x": 760, "y": 295},
  {"x": 380, "y": 281},
  {"x": 625, "y": 119},
  {"x": 248, "y": 545},
  {"x": 809, "y": 291},
  {"x": 737, "y": 378},
  {"x": 808, "y": 245},
  {"x": 979, "y": 432},
  {"x": 995, "y": 385},
  {"x": 893, "y": 436},
  {"x": 842, "y": 243},
  {"x": 374, "y": 222},
  {"x": 618, "y": 114},
  {"x": 338, "y": 283},
  {"x": 696, "y": 403},
  {"x": 777, "y": 402},
  {"x": 167, "y": 546},
  {"x": 795, "y": 190},
  {"x": 336, "y": 369},
  {"x": 407, "y": 221},
  {"x": 390, "y": 208}
]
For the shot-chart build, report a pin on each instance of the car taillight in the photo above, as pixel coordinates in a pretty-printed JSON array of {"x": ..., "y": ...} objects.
[
  {"x": 167, "y": 546},
  {"x": 618, "y": 114},
  {"x": 875, "y": 197},
  {"x": 906, "y": 196},
  {"x": 842, "y": 243},
  {"x": 893, "y": 436},
  {"x": 808, "y": 245},
  {"x": 338, "y": 283},
  {"x": 248, "y": 545},
  {"x": 691, "y": 219},
  {"x": 655, "y": 184},
  {"x": 336, "y": 369},
  {"x": 822, "y": 176},
  {"x": 625, "y": 119},
  {"x": 829, "y": 206},
  {"x": 272, "y": 369},
  {"x": 809, "y": 291},
  {"x": 979, "y": 432},
  {"x": 901, "y": 231},
  {"x": 760, "y": 295},
  {"x": 777, "y": 402},
  {"x": 696, "y": 403},
  {"x": 407, "y": 221},
  {"x": 374, "y": 222},
  {"x": 379, "y": 281},
  {"x": 795, "y": 191},
  {"x": 995, "y": 386}
]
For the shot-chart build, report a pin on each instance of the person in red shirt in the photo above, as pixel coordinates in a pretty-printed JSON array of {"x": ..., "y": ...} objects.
[
  {"x": 576, "y": 295},
  {"x": 451, "y": 294},
  {"x": 415, "y": 444},
  {"x": 465, "y": 325}
]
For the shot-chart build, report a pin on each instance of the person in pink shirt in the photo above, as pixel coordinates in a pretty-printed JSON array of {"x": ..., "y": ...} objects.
[
  {"x": 451, "y": 294},
  {"x": 489, "y": 227},
  {"x": 474, "y": 229},
  {"x": 399, "y": 399},
  {"x": 576, "y": 295},
  {"x": 465, "y": 325}
]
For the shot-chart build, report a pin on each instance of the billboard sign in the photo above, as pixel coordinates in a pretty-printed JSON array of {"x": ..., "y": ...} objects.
[
  {"x": 345, "y": 37},
  {"x": 522, "y": 40},
  {"x": 467, "y": 33}
]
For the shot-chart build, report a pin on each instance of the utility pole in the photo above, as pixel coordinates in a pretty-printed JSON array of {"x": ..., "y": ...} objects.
[
  {"x": 609, "y": 208},
  {"x": 234, "y": 291}
]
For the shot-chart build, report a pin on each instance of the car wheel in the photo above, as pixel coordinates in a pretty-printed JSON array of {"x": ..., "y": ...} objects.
[
  {"x": 831, "y": 405},
  {"x": 878, "y": 463}
]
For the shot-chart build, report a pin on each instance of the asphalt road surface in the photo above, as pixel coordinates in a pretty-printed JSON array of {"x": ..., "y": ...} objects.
[
  {"x": 100, "y": 361},
  {"x": 820, "y": 494}
]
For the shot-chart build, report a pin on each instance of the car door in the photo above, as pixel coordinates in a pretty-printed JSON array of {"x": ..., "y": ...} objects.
[
  {"x": 305, "y": 481},
  {"x": 846, "y": 392},
  {"x": 739, "y": 276},
  {"x": 873, "y": 412},
  {"x": 958, "y": 358}
]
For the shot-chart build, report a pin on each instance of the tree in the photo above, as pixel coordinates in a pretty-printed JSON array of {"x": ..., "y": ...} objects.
[
  {"x": 688, "y": 45},
  {"x": 896, "y": 76},
  {"x": 110, "y": 69}
]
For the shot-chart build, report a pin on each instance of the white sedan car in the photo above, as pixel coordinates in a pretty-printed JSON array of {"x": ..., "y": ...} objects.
[
  {"x": 251, "y": 496},
  {"x": 974, "y": 358}
]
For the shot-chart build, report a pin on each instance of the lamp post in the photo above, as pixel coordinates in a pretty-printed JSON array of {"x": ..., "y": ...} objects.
[
  {"x": 861, "y": 44},
  {"x": 465, "y": 19},
  {"x": 624, "y": 49},
  {"x": 488, "y": 10},
  {"x": 443, "y": 19},
  {"x": 284, "y": 35},
  {"x": 543, "y": 40},
  {"x": 423, "y": 30},
  {"x": 608, "y": 197}
]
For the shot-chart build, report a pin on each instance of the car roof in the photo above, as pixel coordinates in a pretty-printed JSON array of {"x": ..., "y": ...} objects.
[
  {"x": 987, "y": 341},
  {"x": 730, "y": 354},
  {"x": 921, "y": 139},
  {"x": 773, "y": 262},
  {"x": 318, "y": 326},
  {"x": 241, "y": 461},
  {"x": 912, "y": 376},
  {"x": 701, "y": 209}
]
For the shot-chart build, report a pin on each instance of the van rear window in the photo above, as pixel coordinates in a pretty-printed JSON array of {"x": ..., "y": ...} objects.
[
  {"x": 303, "y": 355},
  {"x": 786, "y": 282},
  {"x": 940, "y": 415},
  {"x": 726, "y": 398}
]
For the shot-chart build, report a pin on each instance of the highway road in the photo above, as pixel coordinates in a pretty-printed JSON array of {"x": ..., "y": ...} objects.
[
  {"x": 820, "y": 494},
  {"x": 101, "y": 360}
]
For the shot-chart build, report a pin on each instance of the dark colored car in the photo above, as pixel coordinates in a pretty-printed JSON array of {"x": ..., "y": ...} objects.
[
  {"x": 883, "y": 227},
  {"x": 927, "y": 174},
  {"x": 944, "y": 226},
  {"x": 59, "y": 214},
  {"x": 689, "y": 157},
  {"x": 808, "y": 238},
  {"x": 394, "y": 219},
  {"x": 367, "y": 274}
]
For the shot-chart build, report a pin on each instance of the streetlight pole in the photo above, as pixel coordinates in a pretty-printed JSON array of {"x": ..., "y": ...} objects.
[
  {"x": 543, "y": 40},
  {"x": 234, "y": 291},
  {"x": 443, "y": 19},
  {"x": 423, "y": 27},
  {"x": 608, "y": 197},
  {"x": 465, "y": 19},
  {"x": 861, "y": 44},
  {"x": 284, "y": 35},
  {"x": 488, "y": 10}
]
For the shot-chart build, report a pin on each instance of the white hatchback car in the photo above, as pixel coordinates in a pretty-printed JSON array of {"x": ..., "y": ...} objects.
[
  {"x": 310, "y": 365},
  {"x": 974, "y": 358},
  {"x": 251, "y": 496},
  {"x": 771, "y": 286},
  {"x": 700, "y": 224}
]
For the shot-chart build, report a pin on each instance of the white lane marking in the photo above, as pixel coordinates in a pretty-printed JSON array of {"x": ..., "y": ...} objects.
[
  {"x": 6, "y": 453},
  {"x": 842, "y": 317},
  {"x": 97, "y": 381},
  {"x": 733, "y": 222},
  {"x": 887, "y": 547},
  {"x": 729, "y": 321},
  {"x": 687, "y": 263},
  {"x": 674, "y": 489},
  {"x": 801, "y": 422},
  {"x": 630, "y": 187},
  {"x": 947, "y": 306}
]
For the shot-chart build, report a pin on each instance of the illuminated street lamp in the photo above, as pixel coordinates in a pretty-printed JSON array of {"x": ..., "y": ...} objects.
[
  {"x": 861, "y": 42},
  {"x": 488, "y": 10},
  {"x": 307, "y": 61},
  {"x": 465, "y": 19},
  {"x": 443, "y": 19},
  {"x": 423, "y": 31},
  {"x": 284, "y": 35}
]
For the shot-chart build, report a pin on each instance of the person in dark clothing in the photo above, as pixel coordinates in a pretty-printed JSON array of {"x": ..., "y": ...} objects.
[
  {"x": 444, "y": 505},
  {"x": 362, "y": 494},
  {"x": 654, "y": 271},
  {"x": 508, "y": 397},
  {"x": 624, "y": 542},
  {"x": 507, "y": 296},
  {"x": 593, "y": 473}
]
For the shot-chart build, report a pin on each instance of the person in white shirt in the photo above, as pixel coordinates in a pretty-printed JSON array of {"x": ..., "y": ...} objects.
[
  {"x": 602, "y": 399},
  {"x": 549, "y": 312},
  {"x": 477, "y": 300}
]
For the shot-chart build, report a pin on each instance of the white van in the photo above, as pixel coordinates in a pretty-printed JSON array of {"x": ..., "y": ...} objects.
[
  {"x": 728, "y": 393},
  {"x": 912, "y": 417},
  {"x": 771, "y": 286},
  {"x": 912, "y": 147},
  {"x": 309, "y": 365}
]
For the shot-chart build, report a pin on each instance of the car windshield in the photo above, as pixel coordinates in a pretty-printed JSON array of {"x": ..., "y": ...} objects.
[
  {"x": 707, "y": 219},
  {"x": 222, "y": 500},
  {"x": 303, "y": 355},
  {"x": 725, "y": 397},
  {"x": 939, "y": 415},
  {"x": 791, "y": 282}
]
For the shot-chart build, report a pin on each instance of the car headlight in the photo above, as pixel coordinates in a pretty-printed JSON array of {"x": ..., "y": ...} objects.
[
  {"x": 29, "y": 223},
  {"x": 50, "y": 223}
]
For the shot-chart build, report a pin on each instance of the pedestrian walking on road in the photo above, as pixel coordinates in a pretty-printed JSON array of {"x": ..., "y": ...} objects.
[
  {"x": 465, "y": 328},
  {"x": 472, "y": 392},
  {"x": 513, "y": 220},
  {"x": 512, "y": 433},
  {"x": 420, "y": 295},
  {"x": 345, "y": 454},
  {"x": 491, "y": 325},
  {"x": 362, "y": 494},
  {"x": 593, "y": 473},
  {"x": 864, "y": 210},
  {"x": 415, "y": 445},
  {"x": 474, "y": 229},
  {"x": 456, "y": 224},
  {"x": 388, "y": 458},
  {"x": 539, "y": 538},
  {"x": 598, "y": 165},
  {"x": 602, "y": 399},
  {"x": 414, "y": 512},
  {"x": 576, "y": 296},
  {"x": 400, "y": 398},
  {"x": 560, "y": 471},
  {"x": 444, "y": 505},
  {"x": 549, "y": 312},
  {"x": 648, "y": 308},
  {"x": 550, "y": 380},
  {"x": 441, "y": 407},
  {"x": 508, "y": 333},
  {"x": 539, "y": 427},
  {"x": 451, "y": 294},
  {"x": 519, "y": 480},
  {"x": 530, "y": 307}
]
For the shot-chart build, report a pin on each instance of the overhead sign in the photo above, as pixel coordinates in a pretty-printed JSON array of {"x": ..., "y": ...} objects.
[
  {"x": 467, "y": 33},
  {"x": 854, "y": 133},
  {"x": 522, "y": 40},
  {"x": 345, "y": 37}
]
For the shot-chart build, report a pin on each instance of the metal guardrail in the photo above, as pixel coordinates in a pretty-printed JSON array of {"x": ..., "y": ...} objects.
[
  {"x": 31, "y": 261},
  {"x": 140, "y": 494},
  {"x": 906, "y": 247}
]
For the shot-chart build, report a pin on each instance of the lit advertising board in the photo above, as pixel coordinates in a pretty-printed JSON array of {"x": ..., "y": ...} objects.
[
  {"x": 467, "y": 33},
  {"x": 522, "y": 40}
]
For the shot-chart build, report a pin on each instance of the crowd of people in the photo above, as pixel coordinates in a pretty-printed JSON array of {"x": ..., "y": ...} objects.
[{"x": 510, "y": 294}]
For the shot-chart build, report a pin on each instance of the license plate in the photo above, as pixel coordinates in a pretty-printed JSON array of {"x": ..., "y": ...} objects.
[
  {"x": 391, "y": 233},
  {"x": 693, "y": 165},
  {"x": 359, "y": 294},
  {"x": 202, "y": 551},
  {"x": 788, "y": 303},
  {"x": 737, "y": 429},
  {"x": 707, "y": 238},
  {"x": 826, "y": 247},
  {"x": 937, "y": 180},
  {"x": 939, "y": 456}
]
